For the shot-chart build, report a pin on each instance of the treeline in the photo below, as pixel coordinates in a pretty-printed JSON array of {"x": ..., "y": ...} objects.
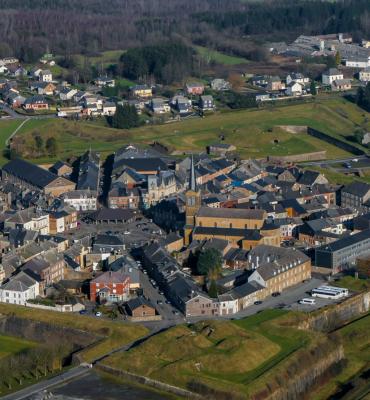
[
  {"x": 29, "y": 28},
  {"x": 166, "y": 63}
]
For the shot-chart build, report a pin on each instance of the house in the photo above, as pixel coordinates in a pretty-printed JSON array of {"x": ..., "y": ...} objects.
[
  {"x": 19, "y": 289},
  {"x": 62, "y": 221},
  {"x": 343, "y": 253},
  {"x": 81, "y": 200},
  {"x": 60, "y": 168},
  {"x": 297, "y": 77},
  {"x": 159, "y": 106},
  {"x": 310, "y": 178},
  {"x": 128, "y": 266},
  {"x": 16, "y": 70},
  {"x": 194, "y": 88},
  {"x": 355, "y": 195},
  {"x": 160, "y": 186},
  {"x": 358, "y": 61},
  {"x": 274, "y": 83},
  {"x": 31, "y": 176},
  {"x": 140, "y": 308},
  {"x": 45, "y": 76},
  {"x": 67, "y": 93},
  {"x": 262, "y": 97},
  {"x": 43, "y": 88},
  {"x": 294, "y": 89},
  {"x": 364, "y": 75},
  {"x": 331, "y": 75},
  {"x": 104, "y": 81},
  {"x": 47, "y": 268},
  {"x": 182, "y": 104},
  {"x": 110, "y": 286},
  {"x": 278, "y": 268},
  {"x": 141, "y": 91},
  {"x": 109, "y": 108},
  {"x": 206, "y": 103},
  {"x": 220, "y": 85},
  {"x": 14, "y": 99},
  {"x": 36, "y": 102},
  {"x": 341, "y": 85},
  {"x": 108, "y": 244},
  {"x": 3, "y": 68},
  {"x": 29, "y": 219}
]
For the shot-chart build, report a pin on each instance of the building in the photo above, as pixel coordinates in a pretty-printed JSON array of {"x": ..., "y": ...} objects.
[
  {"x": 45, "y": 76},
  {"x": 297, "y": 77},
  {"x": 19, "y": 289},
  {"x": 364, "y": 75},
  {"x": 110, "y": 286},
  {"x": 29, "y": 219},
  {"x": 140, "y": 308},
  {"x": 61, "y": 169},
  {"x": 341, "y": 85},
  {"x": 274, "y": 83},
  {"x": 355, "y": 194},
  {"x": 104, "y": 81},
  {"x": 194, "y": 88},
  {"x": 294, "y": 89},
  {"x": 62, "y": 221},
  {"x": 278, "y": 268},
  {"x": 206, "y": 103},
  {"x": 67, "y": 93},
  {"x": 81, "y": 200},
  {"x": 31, "y": 176},
  {"x": 331, "y": 75},
  {"x": 160, "y": 186},
  {"x": 36, "y": 103},
  {"x": 342, "y": 253},
  {"x": 220, "y": 85},
  {"x": 141, "y": 91}
]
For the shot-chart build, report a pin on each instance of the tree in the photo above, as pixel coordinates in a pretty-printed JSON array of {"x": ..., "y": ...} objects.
[
  {"x": 125, "y": 117},
  {"x": 210, "y": 263},
  {"x": 363, "y": 97},
  {"x": 39, "y": 142},
  {"x": 51, "y": 146},
  {"x": 212, "y": 291},
  {"x": 313, "y": 88},
  {"x": 338, "y": 58},
  {"x": 359, "y": 135}
]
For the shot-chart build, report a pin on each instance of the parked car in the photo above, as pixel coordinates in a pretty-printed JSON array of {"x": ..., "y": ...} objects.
[
  {"x": 275, "y": 294},
  {"x": 258, "y": 302},
  {"x": 98, "y": 314},
  {"x": 83, "y": 312}
]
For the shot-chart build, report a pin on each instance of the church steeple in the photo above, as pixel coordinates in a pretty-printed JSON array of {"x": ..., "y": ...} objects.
[
  {"x": 193, "y": 179},
  {"x": 193, "y": 203}
]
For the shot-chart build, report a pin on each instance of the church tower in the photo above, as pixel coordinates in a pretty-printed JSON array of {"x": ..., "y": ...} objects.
[{"x": 193, "y": 203}]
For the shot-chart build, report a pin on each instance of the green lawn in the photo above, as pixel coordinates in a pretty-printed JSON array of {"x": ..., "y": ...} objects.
[
  {"x": 227, "y": 356},
  {"x": 218, "y": 57},
  {"x": 11, "y": 345},
  {"x": 250, "y": 130},
  {"x": 115, "y": 334}
]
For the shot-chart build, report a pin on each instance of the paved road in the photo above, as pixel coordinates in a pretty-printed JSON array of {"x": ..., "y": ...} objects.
[
  {"x": 14, "y": 115},
  {"x": 336, "y": 161},
  {"x": 47, "y": 384},
  {"x": 16, "y": 130}
]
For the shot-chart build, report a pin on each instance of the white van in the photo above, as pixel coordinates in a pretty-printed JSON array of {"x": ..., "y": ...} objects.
[{"x": 307, "y": 301}]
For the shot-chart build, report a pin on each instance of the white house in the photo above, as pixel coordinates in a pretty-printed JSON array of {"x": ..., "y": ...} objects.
[
  {"x": 294, "y": 89},
  {"x": 45, "y": 76},
  {"x": 30, "y": 220},
  {"x": 331, "y": 75},
  {"x": 109, "y": 108},
  {"x": 19, "y": 289},
  {"x": 81, "y": 200},
  {"x": 364, "y": 75},
  {"x": 358, "y": 62},
  {"x": 67, "y": 93},
  {"x": 3, "y": 68},
  {"x": 297, "y": 77}
]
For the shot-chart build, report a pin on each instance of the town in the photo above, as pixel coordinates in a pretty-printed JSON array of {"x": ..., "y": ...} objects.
[{"x": 212, "y": 218}]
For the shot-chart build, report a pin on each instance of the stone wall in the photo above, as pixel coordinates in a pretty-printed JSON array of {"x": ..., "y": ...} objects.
[
  {"x": 315, "y": 156},
  {"x": 335, "y": 316}
]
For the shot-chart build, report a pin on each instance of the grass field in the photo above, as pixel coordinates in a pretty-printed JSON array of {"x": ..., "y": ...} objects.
[
  {"x": 11, "y": 345},
  {"x": 250, "y": 130},
  {"x": 228, "y": 356},
  {"x": 116, "y": 334},
  {"x": 356, "y": 341},
  {"x": 220, "y": 58}
]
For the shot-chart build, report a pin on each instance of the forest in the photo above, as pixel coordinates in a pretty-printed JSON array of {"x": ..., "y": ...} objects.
[{"x": 29, "y": 28}]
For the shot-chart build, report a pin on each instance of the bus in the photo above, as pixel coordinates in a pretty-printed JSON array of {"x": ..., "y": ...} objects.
[{"x": 329, "y": 292}]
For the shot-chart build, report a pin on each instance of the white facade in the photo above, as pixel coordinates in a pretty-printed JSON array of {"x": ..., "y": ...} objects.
[
  {"x": 364, "y": 75},
  {"x": 19, "y": 290},
  {"x": 45, "y": 76},
  {"x": 328, "y": 79},
  {"x": 294, "y": 89},
  {"x": 39, "y": 224},
  {"x": 81, "y": 200}
]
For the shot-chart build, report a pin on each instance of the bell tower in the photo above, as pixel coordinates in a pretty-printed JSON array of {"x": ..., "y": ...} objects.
[{"x": 193, "y": 203}]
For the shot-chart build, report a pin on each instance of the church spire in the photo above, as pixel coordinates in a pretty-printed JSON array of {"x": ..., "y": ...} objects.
[{"x": 193, "y": 181}]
